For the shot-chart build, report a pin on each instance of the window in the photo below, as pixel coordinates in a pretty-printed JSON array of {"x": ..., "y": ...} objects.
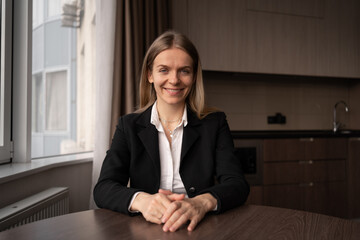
[
  {"x": 5, "y": 80},
  {"x": 47, "y": 64},
  {"x": 62, "y": 77}
]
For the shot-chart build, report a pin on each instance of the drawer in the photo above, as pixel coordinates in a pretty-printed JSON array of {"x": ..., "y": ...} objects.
[
  {"x": 277, "y": 150},
  {"x": 298, "y": 172}
]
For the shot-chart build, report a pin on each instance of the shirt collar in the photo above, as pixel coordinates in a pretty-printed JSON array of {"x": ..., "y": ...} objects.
[{"x": 155, "y": 120}]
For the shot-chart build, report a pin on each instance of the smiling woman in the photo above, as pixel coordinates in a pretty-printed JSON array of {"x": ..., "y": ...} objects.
[{"x": 171, "y": 148}]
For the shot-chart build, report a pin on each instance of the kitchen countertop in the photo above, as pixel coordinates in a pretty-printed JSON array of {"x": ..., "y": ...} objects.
[{"x": 295, "y": 134}]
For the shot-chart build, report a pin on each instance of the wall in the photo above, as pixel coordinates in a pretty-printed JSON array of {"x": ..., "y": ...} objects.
[
  {"x": 307, "y": 103},
  {"x": 77, "y": 177}
]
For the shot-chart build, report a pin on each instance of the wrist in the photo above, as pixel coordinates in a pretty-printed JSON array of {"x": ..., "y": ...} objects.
[
  {"x": 138, "y": 201},
  {"x": 208, "y": 201}
]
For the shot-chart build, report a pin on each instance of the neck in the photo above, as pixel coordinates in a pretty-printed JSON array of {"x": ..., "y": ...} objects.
[{"x": 170, "y": 113}]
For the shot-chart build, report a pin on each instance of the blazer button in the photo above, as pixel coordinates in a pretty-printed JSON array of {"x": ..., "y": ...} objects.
[{"x": 192, "y": 189}]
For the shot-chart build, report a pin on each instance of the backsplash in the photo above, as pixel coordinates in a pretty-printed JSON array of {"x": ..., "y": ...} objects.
[{"x": 248, "y": 101}]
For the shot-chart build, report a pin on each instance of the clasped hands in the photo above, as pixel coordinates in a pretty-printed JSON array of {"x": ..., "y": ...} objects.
[{"x": 172, "y": 209}]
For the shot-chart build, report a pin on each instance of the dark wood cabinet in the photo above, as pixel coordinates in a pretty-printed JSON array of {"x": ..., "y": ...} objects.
[
  {"x": 256, "y": 195},
  {"x": 354, "y": 178},
  {"x": 306, "y": 174},
  {"x": 309, "y": 38}
]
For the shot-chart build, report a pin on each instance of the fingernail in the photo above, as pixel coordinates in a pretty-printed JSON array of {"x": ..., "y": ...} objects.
[{"x": 165, "y": 229}]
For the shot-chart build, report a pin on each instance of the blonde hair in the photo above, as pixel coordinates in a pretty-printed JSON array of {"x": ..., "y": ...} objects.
[{"x": 171, "y": 39}]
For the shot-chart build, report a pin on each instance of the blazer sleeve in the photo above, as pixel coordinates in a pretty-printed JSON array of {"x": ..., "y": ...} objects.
[
  {"x": 111, "y": 190},
  {"x": 232, "y": 189}
]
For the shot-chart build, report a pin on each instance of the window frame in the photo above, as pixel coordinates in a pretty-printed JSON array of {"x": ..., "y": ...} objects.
[
  {"x": 22, "y": 80},
  {"x": 5, "y": 81}
]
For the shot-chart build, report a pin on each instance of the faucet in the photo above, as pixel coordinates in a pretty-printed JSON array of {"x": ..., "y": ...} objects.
[{"x": 336, "y": 125}]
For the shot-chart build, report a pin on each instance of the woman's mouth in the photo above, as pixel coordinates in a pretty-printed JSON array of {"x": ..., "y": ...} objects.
[{"x": 173, "y": 91}]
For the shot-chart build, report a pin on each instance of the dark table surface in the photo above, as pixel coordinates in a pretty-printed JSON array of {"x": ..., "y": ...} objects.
[{"x": 245, "y": 222}]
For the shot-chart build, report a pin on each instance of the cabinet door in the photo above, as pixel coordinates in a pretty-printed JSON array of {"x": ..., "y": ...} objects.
[
  {"x": 326, "y": 198},
  {"x": 218, "y": 31},
  {"x": 324, "y": 170},
  {"x": 353, "y": 178},
  {"x": 283, "y": 173},
  {"x": 282, "y": 37},
  {"x": 326, "y": 148},
  {"x": 276, "y": 150},
  {"x": 286, "y": 196},
  {"x": 256, "y": 195}
]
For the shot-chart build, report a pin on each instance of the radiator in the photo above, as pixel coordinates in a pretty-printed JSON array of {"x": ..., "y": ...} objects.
[{"x": 46, "y": 204}]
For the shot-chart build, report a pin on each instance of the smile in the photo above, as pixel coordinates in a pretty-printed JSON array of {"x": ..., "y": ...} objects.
[{"x": 173, "y": 91}]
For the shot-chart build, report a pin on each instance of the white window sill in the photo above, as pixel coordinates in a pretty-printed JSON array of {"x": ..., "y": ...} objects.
[{"x": 12, "y": 171}]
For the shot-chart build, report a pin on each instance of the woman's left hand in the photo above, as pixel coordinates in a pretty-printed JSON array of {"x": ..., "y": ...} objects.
[{"x": 193, "y": 209}]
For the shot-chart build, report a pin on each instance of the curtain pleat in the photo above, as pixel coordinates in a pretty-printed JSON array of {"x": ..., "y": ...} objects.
[{"x": 138, "y": 23}]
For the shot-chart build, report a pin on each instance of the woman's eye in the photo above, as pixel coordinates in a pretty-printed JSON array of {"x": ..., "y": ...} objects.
[
  {"x": 185, "y": 71},
  {"x": 163, "y": 70}
]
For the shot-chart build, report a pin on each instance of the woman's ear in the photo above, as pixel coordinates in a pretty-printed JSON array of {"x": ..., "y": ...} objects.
[{"x": 149, "y": 76}]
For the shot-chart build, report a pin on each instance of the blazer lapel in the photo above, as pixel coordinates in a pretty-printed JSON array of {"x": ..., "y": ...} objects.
[
  {"x": 190, "y": 134},
  {"x": 149, "y": 138}
]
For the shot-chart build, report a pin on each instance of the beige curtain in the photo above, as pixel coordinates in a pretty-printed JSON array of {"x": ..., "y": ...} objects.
[
  {"x": 104, "y": 69},
  {"x": 138, "y": 23}
]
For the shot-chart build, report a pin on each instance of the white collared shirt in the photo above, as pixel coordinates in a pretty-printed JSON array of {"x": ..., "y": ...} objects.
[
  {"x": 170, "y": 153},
  {"x": 169, "y": 156}
]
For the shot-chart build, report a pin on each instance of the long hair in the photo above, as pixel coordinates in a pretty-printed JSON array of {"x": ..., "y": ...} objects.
[{"x": 171, "y": 39}]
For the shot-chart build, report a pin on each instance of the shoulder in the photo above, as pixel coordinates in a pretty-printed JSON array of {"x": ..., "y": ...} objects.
[
  {"x": 135, "y": 118},
  {"x": 214, "y": 117},
  {"x": 212, "y": 120}
]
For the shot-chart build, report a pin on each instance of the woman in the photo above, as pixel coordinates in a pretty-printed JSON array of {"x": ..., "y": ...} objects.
[{"x": 172, "y": 160}]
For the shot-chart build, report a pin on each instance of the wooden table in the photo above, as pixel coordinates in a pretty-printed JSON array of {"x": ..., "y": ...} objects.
[{"x": 246, "y": 222}]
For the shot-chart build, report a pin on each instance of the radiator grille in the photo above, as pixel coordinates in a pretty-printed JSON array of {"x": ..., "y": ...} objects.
[{"x": 49, "y": 203}]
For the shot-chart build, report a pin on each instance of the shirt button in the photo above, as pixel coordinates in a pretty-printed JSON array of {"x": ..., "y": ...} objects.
[{"x": 192, "y": 189}]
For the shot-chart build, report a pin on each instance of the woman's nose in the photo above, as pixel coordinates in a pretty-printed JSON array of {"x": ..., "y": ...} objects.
[{"x": 174, "y": 78}]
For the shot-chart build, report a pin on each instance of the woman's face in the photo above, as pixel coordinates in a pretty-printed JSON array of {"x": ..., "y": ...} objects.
[{"x": 172, "y": 75}]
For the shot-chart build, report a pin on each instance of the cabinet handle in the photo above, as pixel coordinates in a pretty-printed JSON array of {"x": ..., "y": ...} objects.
[
  {"x": 306, "y": 162},
  {"x": 310, "y": 184},
  {"x": 306, "y": 139}
]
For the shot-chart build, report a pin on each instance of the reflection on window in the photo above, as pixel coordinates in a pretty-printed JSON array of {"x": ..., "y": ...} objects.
[
  {"x": 38, "y": 12},
  {"x": 53, "y": 8},
  {"x": 37, "y": 103},
  {"x": 56, "y": 101},
  {"x": 63, "y": 79}
]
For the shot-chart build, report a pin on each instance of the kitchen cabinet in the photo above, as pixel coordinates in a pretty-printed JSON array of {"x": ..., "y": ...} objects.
[
  {"x": 255, "y": 196},
  {"x": 354, "y": 178},
  {"x": 306, "y": 174},
  {"x": 315, "y": 38}
]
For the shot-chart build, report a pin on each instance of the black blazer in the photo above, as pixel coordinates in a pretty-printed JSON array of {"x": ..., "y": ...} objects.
[{"x": 207, "y": 152}]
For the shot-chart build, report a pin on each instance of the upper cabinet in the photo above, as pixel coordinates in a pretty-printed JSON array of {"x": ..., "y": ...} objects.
[{"x": 308, "y": 37}]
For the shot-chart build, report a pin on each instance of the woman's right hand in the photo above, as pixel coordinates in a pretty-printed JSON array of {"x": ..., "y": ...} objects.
[{"x": 153, "y": 206}]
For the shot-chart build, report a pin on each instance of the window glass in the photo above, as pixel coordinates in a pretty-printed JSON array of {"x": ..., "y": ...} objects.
[
  {"x": 53, "y": 8},
  {"x": 56, "y": 101},
  {"x": 37, "y": 103},
  {"x": 38, "y": 12},
  {"x": 63, "y": 78}
]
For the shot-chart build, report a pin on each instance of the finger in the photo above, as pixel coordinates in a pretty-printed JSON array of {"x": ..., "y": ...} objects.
[
  {"x": 159, "y": 204},
  {"x": 193, "y": 223},
  {"x": 176, "y": 197},
  {"x": 176, "y": 221},
  {"x": 152, "y": 219},
  {"x": 166, "y": 192},
  {"x": 170, "y": 210},
  {"x": 172, "y": 196}
]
